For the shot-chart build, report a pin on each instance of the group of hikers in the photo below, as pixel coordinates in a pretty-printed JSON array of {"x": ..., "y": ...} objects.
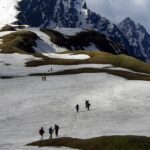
[
  {"x": 51, "y": 131},
  {"x": 50, "y": 70},
  {"x": 87, "y": 106},
  {"x": 56, "y": 127},
  {"x": 44, "y": 78}
]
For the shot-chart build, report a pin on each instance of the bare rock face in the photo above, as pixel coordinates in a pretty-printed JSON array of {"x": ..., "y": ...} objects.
[{"x": 138, "y": 38}]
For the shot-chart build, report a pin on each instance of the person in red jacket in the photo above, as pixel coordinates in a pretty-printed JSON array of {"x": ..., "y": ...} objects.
[{"x": 41, "y": 132}]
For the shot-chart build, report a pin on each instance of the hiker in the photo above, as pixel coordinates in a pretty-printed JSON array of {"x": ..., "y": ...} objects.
[
  {"x": 56, "y": 130},
  {"x": 51, "y": 69},
  {"x": 41, "y": 132},
  {"x": 45, "y": 78},
  {"x": 42, "y": 78},
  {"x": 77, "y": 108},
  {"x": 88, "y": 106},
  {"x": 51, "y": 132},
  {"x": 86, "y": 103}
]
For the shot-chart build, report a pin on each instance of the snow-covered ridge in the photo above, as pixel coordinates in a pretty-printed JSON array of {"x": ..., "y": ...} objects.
[
  {"x": 72, "y": 14},
  {"x": 8, "y": 11},
  {"x": 44, "y": 44},
  {"x": 138, "y": 38},
  {"x": 62, "y": 13}
]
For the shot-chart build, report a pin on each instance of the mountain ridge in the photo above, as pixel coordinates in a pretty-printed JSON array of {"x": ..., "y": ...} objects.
[
  {"x": 75, "y": 14},
  {"x": 138, "y": 38},
  {"x": 70, "y": 14}
]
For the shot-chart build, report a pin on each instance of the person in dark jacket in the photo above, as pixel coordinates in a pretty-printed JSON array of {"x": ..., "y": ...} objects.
[
  {"x": 41, "y": 132},
  {"x": 88, "y": 106},
  {"x": 77, "y": 108},
  {"x": 56, "y": 130},
  {"x": 51, "y": 132},
  {"x": 86, "y": 103}
]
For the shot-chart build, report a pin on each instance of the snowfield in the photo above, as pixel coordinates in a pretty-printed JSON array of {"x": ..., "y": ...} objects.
[{"x": 118, "y": 107}]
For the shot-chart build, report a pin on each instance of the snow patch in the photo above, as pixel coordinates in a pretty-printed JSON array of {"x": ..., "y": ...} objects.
[
  {"x": 92, "y": 47},
  {"x": 3, "y": 33},
  {"x": 69, "y": 31},
  {"x": 16, "y": 59},
  {"x": 67, "y": 56}
]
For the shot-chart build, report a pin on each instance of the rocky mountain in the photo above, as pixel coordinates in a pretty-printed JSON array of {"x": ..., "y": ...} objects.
[
  {"x": 133, "y": 37},
  {"x": 138, "y": 38},
  {"x": 83, "y": 40},
  {"x": 67, "y": 13},
  {"x": 43, "y": 40}
]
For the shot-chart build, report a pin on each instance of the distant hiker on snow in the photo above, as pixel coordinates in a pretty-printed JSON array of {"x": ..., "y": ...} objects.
[
  {"x": 44, "y": 78},
  {"x": 88, "y": 106},
  {"x": 86, "y": 103},
  {"x": 51, "y": 130},
  {"x": 77, "y": 108},
  {"x": 56, "y": 130},
  {"x": 50, "y": 70},
  {"x": 41, "y": 132}
]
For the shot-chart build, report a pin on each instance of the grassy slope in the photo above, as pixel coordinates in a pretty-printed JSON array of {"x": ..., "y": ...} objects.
[
  {"x": 100, "y": 143},
  {"x": 118, "y": 61},
  {"x": 23, "y": 41},
  {"x": 99, "y": 58},
  {"x": 20, "y": 41}
]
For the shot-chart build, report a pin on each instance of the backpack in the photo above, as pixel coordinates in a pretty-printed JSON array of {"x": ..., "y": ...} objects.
[
  {"x": 56, "y": 127},
  {"x": 41, "y": 131}
]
